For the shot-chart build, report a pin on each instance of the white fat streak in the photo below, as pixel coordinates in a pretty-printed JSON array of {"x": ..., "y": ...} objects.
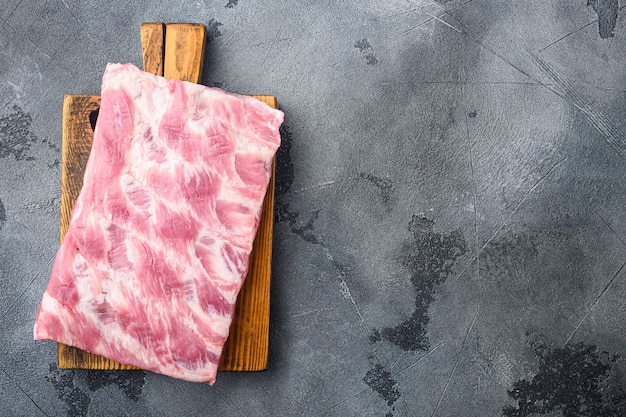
[
  {"x": 49, "y": 304},
  {"x": 130, "y": 184},
  {"x": 83, "y": 272},
  {"x": 223, "y": 274}
]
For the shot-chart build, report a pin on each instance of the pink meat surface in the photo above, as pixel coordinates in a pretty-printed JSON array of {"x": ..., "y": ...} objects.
[{"x": 160, "y": 236}]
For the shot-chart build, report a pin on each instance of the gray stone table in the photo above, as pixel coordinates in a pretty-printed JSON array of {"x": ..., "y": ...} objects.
[{"x": 450, "y": 233}]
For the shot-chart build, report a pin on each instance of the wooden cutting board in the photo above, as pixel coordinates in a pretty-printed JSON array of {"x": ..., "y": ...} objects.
[{"x": 176, "y": 51}]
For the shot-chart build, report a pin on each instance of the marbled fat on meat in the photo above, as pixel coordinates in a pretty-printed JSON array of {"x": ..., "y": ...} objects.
[{"x": 160, "y": 235}]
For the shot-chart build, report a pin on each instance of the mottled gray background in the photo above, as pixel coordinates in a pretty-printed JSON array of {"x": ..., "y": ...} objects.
[{"x": 450, "y": 232}]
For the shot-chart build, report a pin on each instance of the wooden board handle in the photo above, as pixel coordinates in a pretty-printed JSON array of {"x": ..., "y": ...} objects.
[
  {"x": 153, "y": 46},
  {"x": 184, "y": 51}
]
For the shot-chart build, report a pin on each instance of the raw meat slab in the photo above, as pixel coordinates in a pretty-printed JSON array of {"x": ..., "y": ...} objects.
[{"x": 224, "y": 215}]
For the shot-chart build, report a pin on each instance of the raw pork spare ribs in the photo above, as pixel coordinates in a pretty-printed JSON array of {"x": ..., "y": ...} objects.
[{"x": 160, "y": 235}]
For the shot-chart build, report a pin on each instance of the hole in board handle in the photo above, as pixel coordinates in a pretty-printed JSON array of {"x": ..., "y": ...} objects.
[{"x": 93, "y": 118}]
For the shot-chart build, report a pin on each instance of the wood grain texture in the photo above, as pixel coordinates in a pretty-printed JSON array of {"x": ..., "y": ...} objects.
[
  {"x": 77, "y": 140},
  {"x": 247, "y": 346},
  {"x": 153, "y": 46},
  {"x": 184, "y": 51}
]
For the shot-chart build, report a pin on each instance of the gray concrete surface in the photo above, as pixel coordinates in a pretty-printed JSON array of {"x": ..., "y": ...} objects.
[{"x": 450, "y": 236}]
